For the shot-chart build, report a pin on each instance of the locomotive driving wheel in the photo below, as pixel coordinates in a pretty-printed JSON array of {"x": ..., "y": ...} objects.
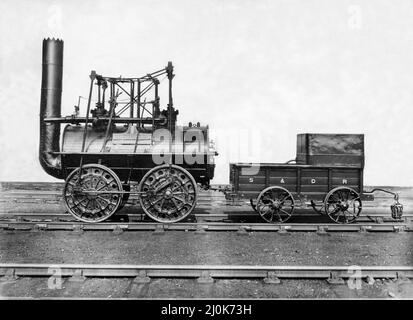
[
  {"x": 275, "y": 204},
  {"x": 79, "y": 196},
  {"x": 343, "y": 205},
  {"x": 169, "y": 193}
]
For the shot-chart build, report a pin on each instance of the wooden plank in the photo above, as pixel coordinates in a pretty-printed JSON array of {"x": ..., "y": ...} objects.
[
  {"x": 345, "y": 181},
  {"x": 283, "y": 181},
  {"x": 314, "y": 188},
  {"x": 314, "y": 173},
  {"x": 251, "y": 179},
  {"x": 314, "y": 181},
  {"x": 251, "y": 186},
  {"x": 351, "y": 173},
  {"x": 278, "y": 173}
]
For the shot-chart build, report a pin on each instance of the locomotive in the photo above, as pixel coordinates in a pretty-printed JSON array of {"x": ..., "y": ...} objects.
[{"x": 106, "y": 156}]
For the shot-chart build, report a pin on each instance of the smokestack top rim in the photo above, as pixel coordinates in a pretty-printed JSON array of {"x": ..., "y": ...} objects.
[{"x": 52, "y": 39}]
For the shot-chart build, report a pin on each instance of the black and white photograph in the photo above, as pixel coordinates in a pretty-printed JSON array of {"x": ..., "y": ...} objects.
[{"x": 218, "y": 152}]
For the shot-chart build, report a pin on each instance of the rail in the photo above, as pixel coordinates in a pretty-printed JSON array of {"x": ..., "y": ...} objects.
[
  {"x": 203, "y": 227},
  {"x": 204, "y": 273}
]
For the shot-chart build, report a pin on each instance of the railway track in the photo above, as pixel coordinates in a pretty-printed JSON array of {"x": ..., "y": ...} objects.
[
  {"x": 39, "y": 206},
  {"x": 203, "y": 273},
  {"x": 202, "y": 216},
  {"x": 202, "y": 228}
]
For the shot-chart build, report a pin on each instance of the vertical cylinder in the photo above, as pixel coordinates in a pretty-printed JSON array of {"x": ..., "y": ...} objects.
[{"x": 50, "y": 106}]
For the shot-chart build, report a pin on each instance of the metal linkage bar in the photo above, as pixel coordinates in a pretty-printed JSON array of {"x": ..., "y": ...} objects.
[
  {"x": 146, "y": 120},
  {"x": 396, "y": 208},
  {"x": 148, "y": 77},
  {"x": 205, "y": 271},
  {"x": 395, "y": 194}
]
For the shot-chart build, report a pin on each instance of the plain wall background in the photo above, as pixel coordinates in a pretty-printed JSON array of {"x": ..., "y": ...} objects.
[{"x": 258, "y": 72}]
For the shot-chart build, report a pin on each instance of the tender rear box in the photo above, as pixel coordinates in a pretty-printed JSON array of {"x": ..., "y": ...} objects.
[{"x": 330, "y": 149}]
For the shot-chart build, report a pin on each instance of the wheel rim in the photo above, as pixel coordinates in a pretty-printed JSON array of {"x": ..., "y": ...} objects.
[
  {"x": 275, "y": 204},
  {"x": 92, "y": 207},
  {"x": 169, "y": 193},
  {"x": 343, "y": 205}
]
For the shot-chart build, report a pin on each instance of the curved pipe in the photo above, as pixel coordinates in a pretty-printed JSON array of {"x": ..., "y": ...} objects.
[{"x": 50, "y": 106}]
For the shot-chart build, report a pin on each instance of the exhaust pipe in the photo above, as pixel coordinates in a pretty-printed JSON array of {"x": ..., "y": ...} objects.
[{"x": 50, "y": 106}]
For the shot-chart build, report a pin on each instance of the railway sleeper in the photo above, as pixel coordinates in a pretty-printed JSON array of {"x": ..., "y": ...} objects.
[
  {"x": 272, "y": 278},
  {"x": 142, "y": 277},
  {"x": 9, "y": 276},
  {"x": 159, "y": 230},
  {"x": 334, "y": 278},
  {"x": 205, "y": 278},
  {"x": 322, "y": 230},
  {"x": 200, "y": 229},
  {"x": 77, "y": 276}
]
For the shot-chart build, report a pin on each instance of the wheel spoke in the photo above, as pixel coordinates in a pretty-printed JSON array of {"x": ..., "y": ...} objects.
[
  {"x": 288, "y": 214},
  {"x": 104, "y": 199},
  {"x": 349, "y": 212},
  {"x": 266, "y": 212},
  {"x": 279, "y": 216},
  {"x": 77, "y": 204},
  {"x": 175, "y": 188},
  {"x": 161, "y": 205},
  {"x": 156, "y": 201},
  {"x": 272, "y": 215},
  {"x": 339, "y": 214},
  {"x": 175, "y": 204},
  {"x": 284, "y": 198},
  {"x": 336, "y": 209}
]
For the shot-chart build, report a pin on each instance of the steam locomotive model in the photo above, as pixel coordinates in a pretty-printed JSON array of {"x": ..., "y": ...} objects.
[{"x": 104, "y": 157}]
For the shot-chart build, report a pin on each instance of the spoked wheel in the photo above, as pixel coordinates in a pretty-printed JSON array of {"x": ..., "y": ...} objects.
[
  {"x": 275, "y": 204},
  {"x": 169, "y": 193},
  {"x": 343, "y": 205},
  {"x": 92, "y": 207}
]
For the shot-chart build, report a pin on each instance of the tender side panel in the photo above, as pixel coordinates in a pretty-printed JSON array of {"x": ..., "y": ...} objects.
[
  {"x": 348, "y": 177},
  {"x": 314, "y": 180},
  {"x": 251, "y": 178},
  {"x": 283, "y": 177},
  {"x": 311, "y": 182}
]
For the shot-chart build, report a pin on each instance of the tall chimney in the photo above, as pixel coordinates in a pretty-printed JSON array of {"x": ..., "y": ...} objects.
[{"x": 50, "y": 106}]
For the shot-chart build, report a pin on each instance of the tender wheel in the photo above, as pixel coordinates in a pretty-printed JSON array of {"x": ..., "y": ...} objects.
[
  {"x": 343, "y": 205},
  {"x": 275, "y": 204},
  {"x": 89, "y": 207},
  {"x": 170, "y": 193}
]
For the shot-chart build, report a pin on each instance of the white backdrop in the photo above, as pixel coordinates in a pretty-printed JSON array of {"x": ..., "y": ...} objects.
[{"x": 264, "y": 69}]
